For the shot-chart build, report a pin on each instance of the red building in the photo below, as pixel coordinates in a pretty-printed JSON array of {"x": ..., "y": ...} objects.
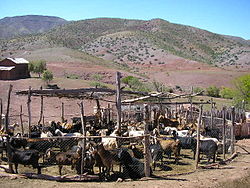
[{"x": 13, "y": 69}]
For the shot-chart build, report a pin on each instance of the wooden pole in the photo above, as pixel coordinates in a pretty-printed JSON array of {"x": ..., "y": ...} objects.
[
  {"x": 191, "y": 106},
  {"x": 41, "y": 110},
  {"x": 109, "y": 115},
  {"x": 1, "y": 112},
  {"x": 224, "y": 132},
  {"x": 29, "y": 111},
  {"x": 21, "y": 118},
  {"x": 118, "y": 100},
  {"x": 212, "y": 116},
  {"x": 62, "y": 113},
  {"x": 232, "y": 129},
  {"x": 197, "y": 154},
  {"x": 7, "y": 111},
  {"x": 146, "y": 144},
  {"x": 84, "y": 134}
]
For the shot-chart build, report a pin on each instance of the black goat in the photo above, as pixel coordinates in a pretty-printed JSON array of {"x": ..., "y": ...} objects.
[
  {"x": 25, "y": 157},
  {"x": 132, "y": 167}
]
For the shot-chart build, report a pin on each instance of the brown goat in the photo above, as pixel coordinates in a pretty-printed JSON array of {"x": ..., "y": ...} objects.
[
  {"x": 106, "y": 156},
  {"x": 63, "y": 158},
  {"x": 169, "y": 146}
]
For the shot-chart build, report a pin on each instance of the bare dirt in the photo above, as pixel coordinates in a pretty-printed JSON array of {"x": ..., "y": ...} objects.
[{"x": 234, "y": 174}]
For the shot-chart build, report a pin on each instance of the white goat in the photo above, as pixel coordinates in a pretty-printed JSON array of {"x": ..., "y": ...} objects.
[
  {"x": 60, "y": 133},
  {"x": 109, "y": 143}
]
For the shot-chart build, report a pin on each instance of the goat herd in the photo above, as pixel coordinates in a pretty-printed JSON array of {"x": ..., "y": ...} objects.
[{"x": 105, "y": 147}]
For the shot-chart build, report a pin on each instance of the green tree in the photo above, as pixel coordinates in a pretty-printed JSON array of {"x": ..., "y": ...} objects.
[
  {"x": 227, "y": 93},
  {"x": 135, "y": 84},
  {"x": 131, "y": 81},
  {"x": 242, "y": 85},
  {"x": 213, "y": 91},
  {"x": 37, "y": 67},
  {"x": 47, "y": 76}
]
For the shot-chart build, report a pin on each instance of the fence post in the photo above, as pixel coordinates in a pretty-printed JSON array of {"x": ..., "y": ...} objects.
[
  {"x": 84, "y": 134},
  {"x": 232, "y": 129},
  {"x": 212, "y": 115},
  {"x": 197, "y": 153},
  {"x": 224, "y": 132},
  {"x": 62, "y": 112},
  {"x": 41, "y": 110},
  {"x": 1, "y": 111},
  {"x": 118, "y": 100},
  {"x": 29, "y": 111},
  {"x": 191, "y": 105},
  {"x": 146, "y": 144},
  {"x": 21, "y": 118},
  {"x": 7, "y": 112}
]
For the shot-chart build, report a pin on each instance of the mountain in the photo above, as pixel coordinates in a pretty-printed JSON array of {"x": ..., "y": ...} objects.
[
  {"x": 30, "y": 24},
  {"x": 140, "y": 43}
]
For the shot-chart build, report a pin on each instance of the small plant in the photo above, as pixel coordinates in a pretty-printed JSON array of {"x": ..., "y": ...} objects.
[
  {"x": 213, "y": 91},
  {"x": 71, "y": 76},
  {"x": 96, "y": 77},
  {"x": 47, "y": 76},
  {"x": 98, "y": 84}
]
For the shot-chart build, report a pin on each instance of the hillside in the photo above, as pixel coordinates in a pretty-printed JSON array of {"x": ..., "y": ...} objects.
[
  {"x": 30, "y": 24},
  {"x": 138, "y": 43}
]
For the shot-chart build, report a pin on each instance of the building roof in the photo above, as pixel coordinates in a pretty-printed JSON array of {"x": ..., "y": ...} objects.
[
  {"x": 18, "y": 60},
  {"x": 2, "y": 68}
]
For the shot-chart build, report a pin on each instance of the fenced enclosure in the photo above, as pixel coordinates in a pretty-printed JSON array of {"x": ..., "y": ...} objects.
[{"x": 77, "y": 143}]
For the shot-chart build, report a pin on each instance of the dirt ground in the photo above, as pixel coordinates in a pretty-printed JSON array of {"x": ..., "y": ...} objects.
[{"x": 234, "y": 174}]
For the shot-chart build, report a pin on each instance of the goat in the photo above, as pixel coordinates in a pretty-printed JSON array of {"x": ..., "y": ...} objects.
[
  {"x": 60, "y": 133},
  {"x": 136, "y": 152},
  {"x": 106, "y": 156},
  {"x": 156, "y": 153},
  {"x": 11, "y": 129},
  {"x": 132, "y": 167},
  {"x": 169, "y": 146},
  {"x": 109, "y": 143},
  {"x": 25, "y": 157},
  {"x": 63, "y": 158}
]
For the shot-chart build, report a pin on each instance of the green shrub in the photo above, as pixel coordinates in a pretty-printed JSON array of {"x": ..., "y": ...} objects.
[
  {"x": 213, "y": 91},
  {"x": 198, "y": 90},
  {"x": 71, "y": 76},
  {"x": 242, "y": 85},
  {"x": 227, "y": 93},
  {"x": 98, "y": 84},
  {"x": 37, "y": 67},
  {"x": 47, "y": 76},
  {"x": 96, "y": 77}
]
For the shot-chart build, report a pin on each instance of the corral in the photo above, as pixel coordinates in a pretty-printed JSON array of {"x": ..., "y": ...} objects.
[{"x": 140, "y": 116}]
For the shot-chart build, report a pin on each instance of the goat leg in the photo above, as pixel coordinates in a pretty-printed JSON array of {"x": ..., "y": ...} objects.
[
  {"x": 16, "y": 167},
  {"x": 60, "y": 169},
  {"x": 11, "y": 168}
]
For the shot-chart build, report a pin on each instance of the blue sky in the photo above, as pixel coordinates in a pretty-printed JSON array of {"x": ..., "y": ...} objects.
[{"x": 230, "y": 17}]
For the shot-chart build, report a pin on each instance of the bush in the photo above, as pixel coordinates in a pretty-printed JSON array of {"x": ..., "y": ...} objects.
[
  {"x": 98, "y": 84},
  {"x": 37, "y": 67},
  {"x": 227, "y": 93},
  {"x": 96, "y": 77},
  {"x": 135, "y": 84},
  {"x": 242, "y": 85},
  {"x": 213, "y": 91},
  {"x": 198, "y": 90},
  {"x": 47, "y": 76}
]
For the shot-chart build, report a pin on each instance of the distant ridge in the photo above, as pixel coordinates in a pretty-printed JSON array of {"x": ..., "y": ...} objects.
[
  {"x": 130, "y": 42},
  {"x": 30, "y": 24}
]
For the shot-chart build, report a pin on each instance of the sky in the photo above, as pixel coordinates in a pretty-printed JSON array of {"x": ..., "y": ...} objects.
[{"x": 229, "y": 17}]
